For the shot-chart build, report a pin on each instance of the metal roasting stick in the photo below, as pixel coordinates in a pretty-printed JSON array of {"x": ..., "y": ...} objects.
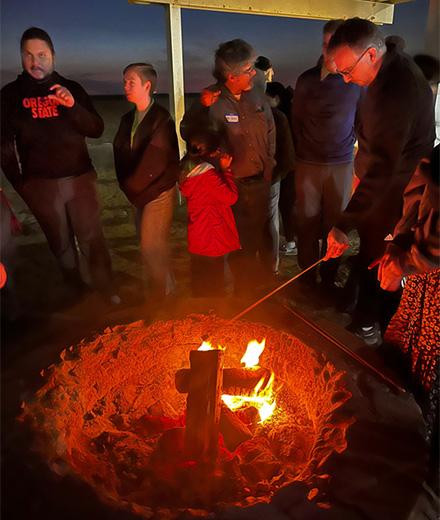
[
  {"x": 318, "y": 329},
  {"x": 345, "y": 349},
  {"x": 285, "y": 284}
]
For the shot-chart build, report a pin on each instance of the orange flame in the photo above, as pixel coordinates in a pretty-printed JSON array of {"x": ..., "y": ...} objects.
[
  {"x": 264, "y": 400},
  {"x": 261, "y": 398},
  {"x": 205, "y": 346}
]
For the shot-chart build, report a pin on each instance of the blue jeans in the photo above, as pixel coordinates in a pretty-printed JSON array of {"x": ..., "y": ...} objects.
[
  {"x": 274, "y": 227},
  {"x": 153, "y": 223}
]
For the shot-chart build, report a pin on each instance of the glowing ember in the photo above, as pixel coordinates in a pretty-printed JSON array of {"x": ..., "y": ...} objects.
[{"x": 253, "y": 352}]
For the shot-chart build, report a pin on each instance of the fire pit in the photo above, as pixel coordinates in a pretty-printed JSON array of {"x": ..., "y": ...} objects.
[{"x": 111, "y": 414}]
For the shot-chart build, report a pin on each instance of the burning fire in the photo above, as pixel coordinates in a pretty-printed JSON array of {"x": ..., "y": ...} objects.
[
  {"x": 253, "y": 352},
  {"x": 205, "y": 346},
  {"x": 262, "y": 399}
]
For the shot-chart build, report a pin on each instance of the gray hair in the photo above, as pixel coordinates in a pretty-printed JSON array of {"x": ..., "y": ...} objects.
[
  {"x": 230, "y": 57},
  {"x": 358, "y": 34}
]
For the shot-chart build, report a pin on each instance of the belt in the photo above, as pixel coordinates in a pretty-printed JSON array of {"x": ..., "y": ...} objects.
[{"x": 251, "y": 178}]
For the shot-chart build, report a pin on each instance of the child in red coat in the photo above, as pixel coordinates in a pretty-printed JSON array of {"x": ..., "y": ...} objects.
[{"x": 210, "y": 193}]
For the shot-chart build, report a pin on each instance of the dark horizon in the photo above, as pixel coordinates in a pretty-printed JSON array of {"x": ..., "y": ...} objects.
[{"x": 93, "y": 49}]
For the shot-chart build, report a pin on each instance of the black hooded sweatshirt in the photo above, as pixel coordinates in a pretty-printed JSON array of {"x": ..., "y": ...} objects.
[{"x": 40, "y": 138}]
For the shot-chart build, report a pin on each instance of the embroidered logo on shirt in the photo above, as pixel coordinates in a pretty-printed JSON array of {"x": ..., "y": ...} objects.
[{"x": 231, "y": 118}]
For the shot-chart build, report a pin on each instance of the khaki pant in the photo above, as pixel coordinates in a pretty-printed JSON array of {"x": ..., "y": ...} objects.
[{"x": 153, "y": 224}]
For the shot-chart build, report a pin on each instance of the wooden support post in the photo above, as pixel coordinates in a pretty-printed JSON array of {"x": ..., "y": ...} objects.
[
  {"x": 175, "y": 64},
  {"x": 203, "y": 405}
]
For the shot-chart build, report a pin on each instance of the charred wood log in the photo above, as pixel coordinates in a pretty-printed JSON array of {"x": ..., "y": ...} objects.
[
  {"x": 249, "y": 416},
  {"x": 236, "y": 381},
  {"x": 234, "y": 431},
  {"x": 203, "y": 405}
]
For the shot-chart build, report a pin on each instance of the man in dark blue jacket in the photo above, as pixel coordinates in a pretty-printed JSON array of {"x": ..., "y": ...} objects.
[
  {"x": 322, "y": 120},
  {"x": 45, "y": 119}
]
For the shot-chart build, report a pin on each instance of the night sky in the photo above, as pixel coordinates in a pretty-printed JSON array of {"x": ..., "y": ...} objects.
[{"x": 95, "y": 39}]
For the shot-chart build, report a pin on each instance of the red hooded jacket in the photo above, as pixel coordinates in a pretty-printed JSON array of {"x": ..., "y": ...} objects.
[{"x": 211, "y": 224}]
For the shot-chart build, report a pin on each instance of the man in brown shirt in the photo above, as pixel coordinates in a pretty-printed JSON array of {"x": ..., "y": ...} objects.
[{"x": 244, "y": 118}]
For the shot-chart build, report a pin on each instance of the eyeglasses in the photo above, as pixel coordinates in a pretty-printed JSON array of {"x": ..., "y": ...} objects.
[
  {"x": 249, "y": 71},
  {"x": 347, "y": 73}
]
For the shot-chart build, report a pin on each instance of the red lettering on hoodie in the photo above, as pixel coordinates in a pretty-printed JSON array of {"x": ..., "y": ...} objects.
[{"x": 42, "y": 107}]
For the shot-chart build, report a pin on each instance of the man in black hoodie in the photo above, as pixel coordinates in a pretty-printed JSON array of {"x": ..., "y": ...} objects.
[{"x": 45, "y": 119}]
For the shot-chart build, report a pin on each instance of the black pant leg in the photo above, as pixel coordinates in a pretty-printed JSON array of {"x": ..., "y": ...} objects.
[
  {"x": 251, "y": 215},
  {"x": 287, "y": 206},
  {"x": 207, "y": 275}
]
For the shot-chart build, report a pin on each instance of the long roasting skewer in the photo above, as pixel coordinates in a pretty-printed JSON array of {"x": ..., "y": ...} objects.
[
  {"x": 321, "y": 331},
  {"x": 268, "y": 295},
  {"x": 345, "y": 349}
]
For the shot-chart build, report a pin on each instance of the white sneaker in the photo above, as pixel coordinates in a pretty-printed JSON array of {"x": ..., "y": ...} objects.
[
  {"x": 370, "y": 335},
  {"x": 289, "y": 249}
]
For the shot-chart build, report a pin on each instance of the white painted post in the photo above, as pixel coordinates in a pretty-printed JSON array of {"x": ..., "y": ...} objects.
[{"x": 175, "y": 64}]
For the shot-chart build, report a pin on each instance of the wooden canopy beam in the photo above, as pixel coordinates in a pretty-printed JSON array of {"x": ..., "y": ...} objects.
[{"x": 377, "y": 11}]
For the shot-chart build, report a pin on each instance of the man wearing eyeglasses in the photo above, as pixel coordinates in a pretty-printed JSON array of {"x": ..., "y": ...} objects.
[
  {"x": 322, "y": 120},
  {"x": 243, "y": 116},
  {"x": 396, "y": 130},
  {"x": 241, "y": 113}
]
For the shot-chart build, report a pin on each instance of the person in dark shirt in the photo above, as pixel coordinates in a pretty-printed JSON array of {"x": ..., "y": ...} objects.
[
  {"x": 146, "y": 157},
  {"x": 430, "y": 66},
  {"x": 412, "y": 337},
  {"x": 45, "y": 119},
  {"x": 283, "y": 172},
  {"x": 270, "y": 254},
  {"x": 322, "y": 119},
  {"x": 396, "y": 131},
  {"x": 264, "y": 64}
]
